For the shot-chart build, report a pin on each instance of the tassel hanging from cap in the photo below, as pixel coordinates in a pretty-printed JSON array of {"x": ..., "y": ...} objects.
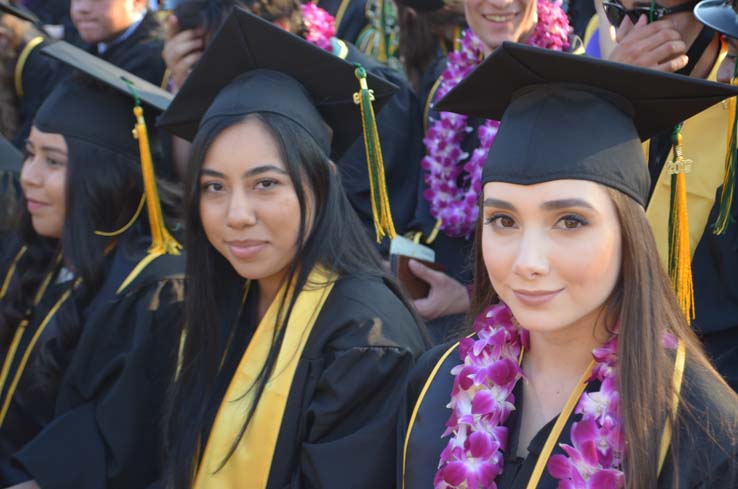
[
  {"x": 381, "y": 213},
  {"x": 680, "y": 266},
  {"x": 162, "y": 241},
  {"x": 724, "y": 217}
]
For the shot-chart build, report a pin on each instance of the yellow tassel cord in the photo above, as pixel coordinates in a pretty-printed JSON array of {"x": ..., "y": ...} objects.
[
  {"x": 118, "y": 232},
  {"x": 162, "y": 241},
  {"x": 731, "y": 162},
  {"x": 680, "y": 266},
  {"x": 382, "y": 215}
]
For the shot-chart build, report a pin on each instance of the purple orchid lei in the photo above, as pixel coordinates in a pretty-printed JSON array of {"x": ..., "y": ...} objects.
[
  {"x": 320, "y": 26},
  {"x": 482, "y": 400},
  {"x": 453, "y": 203}
]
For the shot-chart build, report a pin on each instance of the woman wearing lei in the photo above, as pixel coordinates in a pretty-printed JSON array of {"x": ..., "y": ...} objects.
[
  {"x": 580, "y": 370},
  {"x": 456, "y": 145}
]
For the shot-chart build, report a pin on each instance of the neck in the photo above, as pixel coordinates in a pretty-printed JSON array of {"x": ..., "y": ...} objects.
[
  {"x": 562, "y": 355},
  {"x": 268, "y": 290}
]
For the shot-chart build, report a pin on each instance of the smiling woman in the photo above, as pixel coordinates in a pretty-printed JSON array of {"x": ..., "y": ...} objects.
[
  {"x": 85, "y": 309},
  {"x": 570, "y": 297},
  {"x": 295, "y": 340}
]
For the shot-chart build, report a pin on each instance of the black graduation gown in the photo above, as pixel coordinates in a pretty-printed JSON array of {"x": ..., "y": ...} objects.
[
  {"x": 708, "y": 458},
  {"x": 140, "y": 53},
  {"x": 353, "y": 21},
  {"x": 32, "y": 404},
  {"x": 105, "y": 431},
  {"x": 339, "y": 424},
  {"x": 401, "y": 136}
]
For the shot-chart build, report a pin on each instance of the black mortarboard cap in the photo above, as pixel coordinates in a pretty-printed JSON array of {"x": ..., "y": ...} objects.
[
  {"x": 10, "y": 158},
  {"x": 254, "y": 66},
  {"x": 720, "y": 15},
  {"x": 99, "y": 114},
  {"x": 109, "y": 116},
  {"x": 566, "y": 116},
  {"x": 125, "y": 82}
]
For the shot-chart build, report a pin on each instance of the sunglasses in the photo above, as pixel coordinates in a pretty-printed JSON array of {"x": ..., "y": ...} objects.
[{"x": 616, "y": 13}]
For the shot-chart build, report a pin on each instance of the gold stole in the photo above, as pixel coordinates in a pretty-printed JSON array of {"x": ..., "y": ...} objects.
[
  {"x": 251, "y": 462},
  {"x": 705, "y": 140}
]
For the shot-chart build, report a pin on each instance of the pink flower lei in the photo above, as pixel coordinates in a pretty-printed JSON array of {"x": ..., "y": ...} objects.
[
  {"x": 482, "y": 400},
  {"x": 320, "y": 26},
  {"x": 455, "y": 201}
]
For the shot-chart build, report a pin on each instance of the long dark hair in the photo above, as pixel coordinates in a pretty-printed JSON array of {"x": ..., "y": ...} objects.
[
  {"x": 103, "y": 190},
  {"x": 337, "y": 241},
  {"x": 644, "y": 306}
]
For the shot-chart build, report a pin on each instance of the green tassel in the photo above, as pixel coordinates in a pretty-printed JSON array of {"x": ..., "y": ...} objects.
[
  {"x": 383, "y": 224},
  {"x": 731, "y": 160}
]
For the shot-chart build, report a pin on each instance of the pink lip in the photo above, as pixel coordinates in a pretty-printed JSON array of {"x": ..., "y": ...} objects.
[
  {"x": 245, "y": 249},
  {"x": 34, "y": 205},
  {"x": 536, "y": 297}
]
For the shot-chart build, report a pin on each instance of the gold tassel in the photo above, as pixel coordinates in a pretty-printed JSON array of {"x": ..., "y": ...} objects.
[
  {"x": 383, "y": 224},
  {"x": 161, "y": 241},
  {"x": 680, "y": 267}
]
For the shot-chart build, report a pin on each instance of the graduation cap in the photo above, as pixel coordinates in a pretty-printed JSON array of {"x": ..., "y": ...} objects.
[
  {"x": 720, "y": 15},
  {"x": 11, "y": 159},
  {"x": 106, "y": 118},
  {"x": 564, "y": 116},
  {"x": 22, "y": 13},
  {"x": 254, "y": 66}
]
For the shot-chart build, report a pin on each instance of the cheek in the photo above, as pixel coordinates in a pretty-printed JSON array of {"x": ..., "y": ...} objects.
[
  {"x": 282, "y": 220},
  {"x": 499, "y": 256},
  {"x": 213, "y": 217},
  {"x": 590, "y": 266}
]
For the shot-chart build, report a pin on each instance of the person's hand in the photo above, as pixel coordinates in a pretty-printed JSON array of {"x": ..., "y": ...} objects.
[
  {"x": 658, "y": 45},
  {"x": 447, "y": 296},
  {"x": 182, "y": 51}
]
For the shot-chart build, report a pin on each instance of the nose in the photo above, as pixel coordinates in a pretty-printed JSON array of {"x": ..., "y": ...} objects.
[
  {"x": 30, "y": 175},
  {"x": 79, "y": 7},
  {"x": 532, "y": 258},
  {"x": 241, "y": 211}
]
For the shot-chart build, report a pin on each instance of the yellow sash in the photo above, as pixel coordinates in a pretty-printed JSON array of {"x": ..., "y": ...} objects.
[
  {"x": 250, "y": 464},
  {"x": 705, "y": 140}
]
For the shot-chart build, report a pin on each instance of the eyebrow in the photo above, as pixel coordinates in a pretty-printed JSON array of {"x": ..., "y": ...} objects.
[
  {"x": 550, "y": 205},
  {"x": 250, "y": 173},
  {"x": 46, "y": 149}
]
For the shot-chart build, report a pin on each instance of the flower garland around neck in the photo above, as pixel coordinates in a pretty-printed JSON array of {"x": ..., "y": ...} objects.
[
  {"x": 320, "y": 26},
  {"x": 482, "y": 399},
  {"x": 454, "y": 198}
]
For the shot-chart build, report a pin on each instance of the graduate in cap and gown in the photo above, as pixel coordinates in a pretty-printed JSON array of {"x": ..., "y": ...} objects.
[
  {"x": 297, "y": 345},
  {"x": 715, "y": 259},
  {"x": 91, "y": 300},
  {"x": 10, "y": 165},
  {"x": 399, "y": 123},
  {"x": 580, "y": 368}
]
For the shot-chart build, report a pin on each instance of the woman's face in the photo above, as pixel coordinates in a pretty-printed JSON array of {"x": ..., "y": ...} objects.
[
  {"x": 552, "y": 251},
  {"x": 44, "y": 182},
  {"x": 496, "y": 21},
  {"x": 248, "y": 205}
]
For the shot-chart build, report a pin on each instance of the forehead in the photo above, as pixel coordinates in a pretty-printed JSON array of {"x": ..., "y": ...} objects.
[
  {"x": 593, "y": 193},
  {"x": 647, "y": 4}
]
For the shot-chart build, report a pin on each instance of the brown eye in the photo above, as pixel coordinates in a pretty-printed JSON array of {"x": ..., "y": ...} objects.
[{"x": 571, "y": 222}]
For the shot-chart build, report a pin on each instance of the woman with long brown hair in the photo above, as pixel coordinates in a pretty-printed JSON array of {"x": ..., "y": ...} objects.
[{"x": 571, "y": 298}]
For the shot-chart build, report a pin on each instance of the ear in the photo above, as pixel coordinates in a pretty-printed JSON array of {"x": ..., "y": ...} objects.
[{"x": 333, "y": 167}]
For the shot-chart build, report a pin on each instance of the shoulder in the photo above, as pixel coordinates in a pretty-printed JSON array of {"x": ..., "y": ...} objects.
[
  {"x": 354, "y": 55},
  {"x": 708, "y": 430},
  {"x": 365, "y": 312}
]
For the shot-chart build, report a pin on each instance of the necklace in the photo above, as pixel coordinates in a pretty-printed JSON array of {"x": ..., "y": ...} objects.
[
  {"x": 482, "y": 399},
  {"x": 453, "y": 176}
]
